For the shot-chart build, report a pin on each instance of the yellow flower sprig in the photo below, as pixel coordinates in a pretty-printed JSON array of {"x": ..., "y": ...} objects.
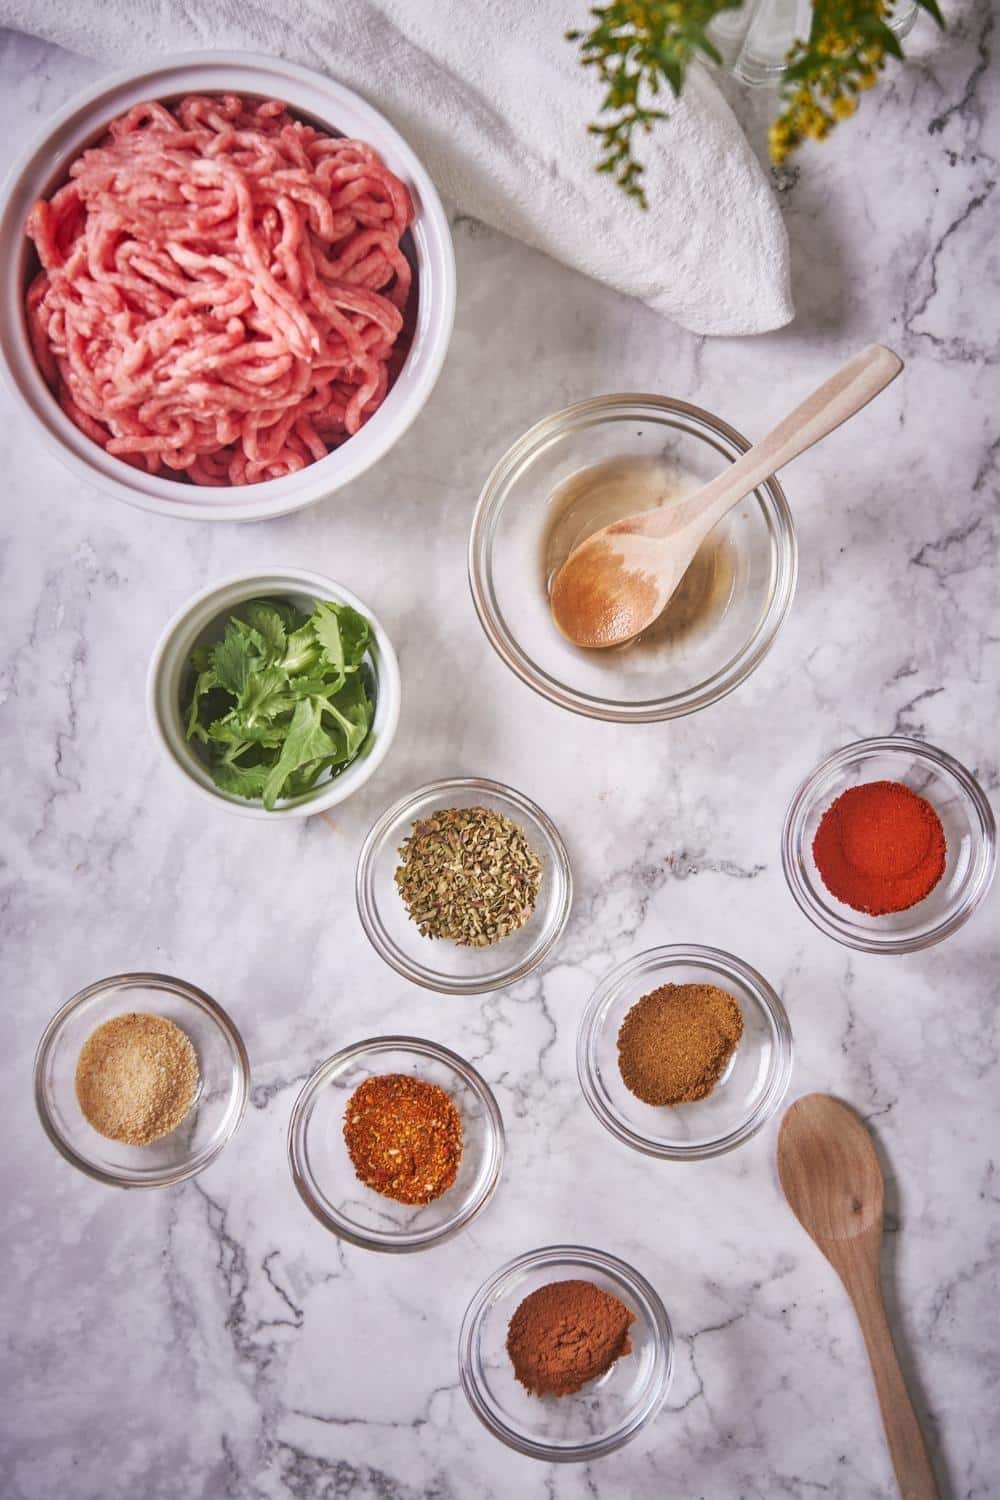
[
  {"x": 849, "y": 41},
  {"x": 636, "y": 46}
]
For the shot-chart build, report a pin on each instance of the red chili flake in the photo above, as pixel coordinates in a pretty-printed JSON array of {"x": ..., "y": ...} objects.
[{"x": 404, "y": 1136}]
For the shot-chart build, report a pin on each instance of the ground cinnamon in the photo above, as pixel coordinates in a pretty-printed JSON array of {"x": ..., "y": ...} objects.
[
  {"x": 880, "y": 848},
  {"x": 565, "y": 1334},
  {"x": 404, "y": 1136},
  {"x": 675, "y": 1043}
]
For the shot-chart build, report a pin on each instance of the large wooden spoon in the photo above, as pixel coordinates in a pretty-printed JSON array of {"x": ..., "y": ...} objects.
[
  {"x": 616, "y": 582},
  {"x": 832, "y": 1179}
]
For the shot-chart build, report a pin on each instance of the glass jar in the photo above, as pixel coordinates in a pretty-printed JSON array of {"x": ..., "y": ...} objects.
[{"x": 754, "y": 40}]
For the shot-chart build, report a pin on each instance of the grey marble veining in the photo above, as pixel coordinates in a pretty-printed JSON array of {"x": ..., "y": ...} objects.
[{"x": 212, "y": 1340}]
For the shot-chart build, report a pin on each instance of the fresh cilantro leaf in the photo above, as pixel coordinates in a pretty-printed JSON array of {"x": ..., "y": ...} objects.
[
  {"x": 342, "y": 633},
  {"x": 293, "y": 619},
  {"x": 352, "y": 715},
  {"x": 303, "y": 652},
  {"x": 232, "y": 731},
  {"x": 307, "y": 740},
  {"x": 244, "y": 781},
  {"x": 234, "y": 659},
  {"x": 283, "y": 700},
  {"x": 267, "y": 622},
  {"x": 314, "y": 686},
  {"x": 265, "y": 695},
  {"x": 205, "y": 680},
  {"x": 306, "y": 777},
  {"x": 254, "y": 637}
]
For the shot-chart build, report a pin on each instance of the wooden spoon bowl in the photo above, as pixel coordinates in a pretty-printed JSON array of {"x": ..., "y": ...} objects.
[{"x": 616, "y": 583}]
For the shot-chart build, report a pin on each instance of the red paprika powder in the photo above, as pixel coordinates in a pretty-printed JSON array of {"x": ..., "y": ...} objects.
[{"x": 880, "y": 848}]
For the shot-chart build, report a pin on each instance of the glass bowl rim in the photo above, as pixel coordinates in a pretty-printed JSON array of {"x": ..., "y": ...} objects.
[
  {"x": 841, "y": 929},
  {"x": 375, "y": 929},
  {"x": 303, "y": 1178},
  {"x": 167, "y": 1176},
  {"x": 635, "y": 1284},
  {"x": 728, "y": 966},
  {"x": 776, "y": 514}
]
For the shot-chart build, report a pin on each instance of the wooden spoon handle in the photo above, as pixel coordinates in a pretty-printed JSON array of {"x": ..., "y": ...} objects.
[
  {"x": 853, "y": 386},
  {"x": 902, "y": 1429}
]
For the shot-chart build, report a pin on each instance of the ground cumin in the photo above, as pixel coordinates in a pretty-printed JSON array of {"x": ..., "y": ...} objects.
[
  {"x": 565, "y": 1334},
  {"x": 675, "y": 1043},
  {"x": 404, "y": 1137},
  {"x": 136, "y": 1078}
]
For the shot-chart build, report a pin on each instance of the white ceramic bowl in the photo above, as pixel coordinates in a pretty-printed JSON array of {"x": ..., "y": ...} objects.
[
  {"x": 42, "y": 168},
  {"x": 202, "y": 619}
]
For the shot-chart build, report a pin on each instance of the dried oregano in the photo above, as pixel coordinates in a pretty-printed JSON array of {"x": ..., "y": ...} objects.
[{"x": 468, "y": 874}]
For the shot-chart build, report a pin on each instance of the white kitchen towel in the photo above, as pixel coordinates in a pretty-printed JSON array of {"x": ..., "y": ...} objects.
[{"x": 494, "y": 100}]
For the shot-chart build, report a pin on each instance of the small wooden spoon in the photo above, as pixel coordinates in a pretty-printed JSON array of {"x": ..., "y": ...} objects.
[
  {"x": 616, "y": 582},
  {"x": 833, "y": 1182}
]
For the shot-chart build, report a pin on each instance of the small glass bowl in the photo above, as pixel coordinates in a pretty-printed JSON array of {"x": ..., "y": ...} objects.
[
  {"x": 745, "y": 1097},
  {"x": 208, "y": 1125},
  {"x": 434, "y": 962},
  {"x": 324, "y": 1174},
  {"x": 969, "y": 828},
  {"x": 607, "y": 1412},
  {"x": 747, "y": 575}
]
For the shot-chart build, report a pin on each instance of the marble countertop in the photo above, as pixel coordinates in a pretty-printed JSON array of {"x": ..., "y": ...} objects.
[{"x": 213, "y": 1340}]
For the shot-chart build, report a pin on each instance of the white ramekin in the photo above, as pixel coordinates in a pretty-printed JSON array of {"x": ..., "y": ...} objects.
[
  {"x": 42, "y": 168},
  {"x": 173, "y": 649}
]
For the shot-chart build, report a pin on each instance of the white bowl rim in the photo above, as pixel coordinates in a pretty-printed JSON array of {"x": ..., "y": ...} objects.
[
  {"x": 616, "y": 1269},
  {"x": 375, "y": 930},
  {"x": 168, "y": 1176},
  {"x": 405, "y": 1241},
  {"x": 436, "y": 269},
  {"x": 388, "y": 695}
]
